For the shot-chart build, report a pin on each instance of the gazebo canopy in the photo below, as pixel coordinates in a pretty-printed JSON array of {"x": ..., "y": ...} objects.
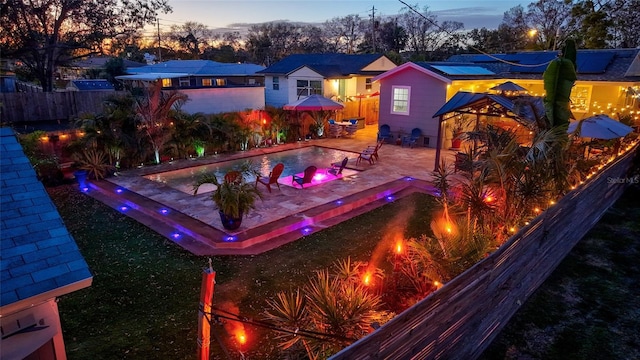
[
  {"x": 314, "y": 102},
  {"x": 508, "y": 86},
  {"x": 491, "y": 105}
]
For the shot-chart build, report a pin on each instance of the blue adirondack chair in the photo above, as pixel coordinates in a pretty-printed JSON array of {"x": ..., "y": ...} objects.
[
  {"x": 384, "y": 133},
  {"x": 412, "y": 139}
]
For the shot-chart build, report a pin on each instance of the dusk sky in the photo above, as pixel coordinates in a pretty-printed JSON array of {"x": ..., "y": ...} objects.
[{"x": 229, "y": 15}]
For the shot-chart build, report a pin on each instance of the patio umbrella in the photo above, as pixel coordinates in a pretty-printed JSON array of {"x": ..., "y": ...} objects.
[
  {"x": 599, "y": 127},
  {"x": 508, "y": 86},
  {"x": 314, "y": 103},
  {"x": 364, "y": 96}
]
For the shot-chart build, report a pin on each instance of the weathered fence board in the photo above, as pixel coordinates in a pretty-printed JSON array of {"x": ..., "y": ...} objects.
[
  {"x": 50, "y": 106},
  {"x": 462, "y": 318}
]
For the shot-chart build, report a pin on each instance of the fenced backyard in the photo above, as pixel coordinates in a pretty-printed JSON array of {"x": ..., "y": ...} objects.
[
  {"x": 50, "y": 106},
  {"x": 462, "y": 318}
]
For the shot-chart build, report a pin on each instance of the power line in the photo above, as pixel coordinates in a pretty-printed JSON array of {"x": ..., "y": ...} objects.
[{"x": 471, "y": 46}]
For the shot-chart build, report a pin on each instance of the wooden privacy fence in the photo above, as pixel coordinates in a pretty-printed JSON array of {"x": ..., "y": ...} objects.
[
  {"x": 51, "y": 106},
  {"x": 461, "y": 319}
]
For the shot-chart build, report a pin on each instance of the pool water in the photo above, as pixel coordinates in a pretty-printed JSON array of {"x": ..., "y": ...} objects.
[{"x": 295, "y": 161}]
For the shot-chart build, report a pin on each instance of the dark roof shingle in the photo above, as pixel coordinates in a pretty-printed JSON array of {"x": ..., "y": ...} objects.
[
  {"x": 38, "y": 253},
  {"x": 327, "y": 65}
]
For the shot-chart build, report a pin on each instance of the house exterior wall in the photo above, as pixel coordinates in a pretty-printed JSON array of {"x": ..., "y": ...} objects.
[
  {"x": 426, "y": 96},
  {"x": 303, "y": 73},
  {"x": 381, "y": 64},
  {"x": 217, "y": 100},
  {"x": 279, "y": 97}
]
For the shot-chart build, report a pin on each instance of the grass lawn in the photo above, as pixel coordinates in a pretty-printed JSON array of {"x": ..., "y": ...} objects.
[
  {"x": 144, "y": 298},
  {"x": 589, "y": 308}
]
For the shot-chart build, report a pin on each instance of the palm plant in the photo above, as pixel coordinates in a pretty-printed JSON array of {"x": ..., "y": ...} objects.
[
  {"x": 154, "y": 111},
  {"x": 188, "y": 129},
  {"x": 95, "y": 162}
]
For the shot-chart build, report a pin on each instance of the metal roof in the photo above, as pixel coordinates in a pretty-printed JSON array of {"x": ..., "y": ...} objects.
[
  {"x": 93, "y": 85},
  {"x": 198, "y": 68}
]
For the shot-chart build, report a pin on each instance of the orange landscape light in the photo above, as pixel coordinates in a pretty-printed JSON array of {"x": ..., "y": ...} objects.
[
  {"x": 366, "y": 280},
  {"x": 241, "y": 337}
]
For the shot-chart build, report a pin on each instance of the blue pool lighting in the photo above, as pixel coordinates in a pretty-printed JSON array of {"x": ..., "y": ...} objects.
[
  {"x": 119, "y": 190},
  {"x": 390, "y": 198},
  {"x": 230, "y": 238},
  {"x": 176, "y": 236},
  {"x": 164, "y": 211},
  {"x": 339, "y": 202},
  {"x": 84, "y": 189},
  {"x": 124, "y": 208},
  {"x": 307, "y": 230}
]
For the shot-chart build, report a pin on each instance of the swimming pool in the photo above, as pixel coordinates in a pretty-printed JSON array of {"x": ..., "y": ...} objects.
[{"x": 295, "y": 161}]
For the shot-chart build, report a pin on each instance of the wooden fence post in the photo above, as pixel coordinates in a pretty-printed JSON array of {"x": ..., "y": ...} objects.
[{"x": 204, "y": 313}]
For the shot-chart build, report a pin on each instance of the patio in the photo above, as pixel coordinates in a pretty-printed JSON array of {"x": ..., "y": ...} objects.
[{"x": 285, "y": 215}]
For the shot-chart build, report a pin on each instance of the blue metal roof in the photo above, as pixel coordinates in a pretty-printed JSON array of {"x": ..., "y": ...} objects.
[
  {"x": 38, "y": 253},
  {"x": 199, "y": 68},
  {"x": 462, "y": 70},
  {"x": 327, "y": 65}
]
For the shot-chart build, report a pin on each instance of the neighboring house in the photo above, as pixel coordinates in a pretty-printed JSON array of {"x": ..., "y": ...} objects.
[
  {"x": 78, "y": 68},
  {"x": 90, "y": 85},
  {"x": 40, "y": 261},
  {"x": 340, "y": 77},
  {"x": 212, "y": 87},
  {"x": 608, "y": 80}
]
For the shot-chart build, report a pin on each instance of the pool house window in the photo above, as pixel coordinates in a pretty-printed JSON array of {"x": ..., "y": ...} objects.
[
  {"x": 400, "y": 100},
  {"x": 308, "y": 87},
  {"x": 185, "y": 82},
  {"x": 207, "y": 82},
  {"x": 221, "y": 82},
  {"x": 166, "y": 83},
  {"x": 276, "y": 83}
]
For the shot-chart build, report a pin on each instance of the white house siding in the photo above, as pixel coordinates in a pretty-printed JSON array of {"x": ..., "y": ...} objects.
[
  {"x": 303, "y": 73},
  {"x": 276, "y": 98},
  {"x": 427, "y": 95},
  {"x": 217, "y": 100}
]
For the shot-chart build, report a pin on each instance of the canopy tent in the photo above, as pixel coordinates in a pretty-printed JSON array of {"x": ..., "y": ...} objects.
[
  {"x": 314, "y": 102},
  {"x": 599, "y": 127}
]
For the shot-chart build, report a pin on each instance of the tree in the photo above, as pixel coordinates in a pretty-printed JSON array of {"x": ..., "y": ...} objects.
[
  {"x": 44, "y": 34},
  {"x": 191, "y": 38},
  {"x": 344, "y": 34},
  {"x": 426, "y": 38},
  {"x": 593, "y": 21},
  {"x": 153, "y": 111},
  {"x": 551, "y": 18},
  {"x": 625, "y": 27}
]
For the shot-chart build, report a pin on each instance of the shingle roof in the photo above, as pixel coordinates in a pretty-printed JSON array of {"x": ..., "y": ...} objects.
[
  {"x": 198, "y": 68},
  {"x": 38, "y": 253},
  {"x": 593, "y": 65},
  {"x": 327, "y": 65}
]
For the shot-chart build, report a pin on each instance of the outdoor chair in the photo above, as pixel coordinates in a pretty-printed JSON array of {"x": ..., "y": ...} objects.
[
  {"x": 412, "y": 139},
  {"x": 306, "y": 178},
  {"x": 384, "y": 133},
  {"x": 336, "y": 169},
  {"x": 351, "y": 129},
  {"x": 373, "y": 150},
  {"x": 335, "y": 130},
  {"x": 272, "y": 178},
  {"x": 365, "y": 156}
]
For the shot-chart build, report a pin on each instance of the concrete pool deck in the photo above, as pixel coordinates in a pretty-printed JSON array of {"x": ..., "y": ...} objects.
[{"x": 284, "y": 215}]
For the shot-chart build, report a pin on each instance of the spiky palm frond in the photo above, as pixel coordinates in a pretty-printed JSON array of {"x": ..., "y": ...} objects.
[
  {"x": 288, "y": 311},
  {"x": 95, "y": 162}
]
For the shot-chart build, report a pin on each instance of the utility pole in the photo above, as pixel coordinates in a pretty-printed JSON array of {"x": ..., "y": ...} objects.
[
  {"x": 159, "y": 52},
  {"x": 373, "y": 28}
]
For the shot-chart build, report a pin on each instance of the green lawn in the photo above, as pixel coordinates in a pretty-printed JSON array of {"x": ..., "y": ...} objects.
[
  {"x": 589, "y": 308},
  {"x": 145, "y": 293}
]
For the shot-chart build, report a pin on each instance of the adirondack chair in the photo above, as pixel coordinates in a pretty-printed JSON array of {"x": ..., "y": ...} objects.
[
  {"x": 336, "y": 169},
  {"x": 306, "y": 178},
  {"x": 272, "y": 178}
]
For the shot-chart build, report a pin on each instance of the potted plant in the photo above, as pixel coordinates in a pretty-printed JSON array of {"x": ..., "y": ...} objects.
[{"x": 234, "y": 196}]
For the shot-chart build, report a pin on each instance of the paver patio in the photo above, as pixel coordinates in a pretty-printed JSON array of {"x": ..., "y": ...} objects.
[{"x": 284, "y": 215}]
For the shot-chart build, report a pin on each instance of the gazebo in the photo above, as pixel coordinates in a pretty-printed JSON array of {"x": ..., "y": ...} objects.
[{"x": 525, "y": 110}]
